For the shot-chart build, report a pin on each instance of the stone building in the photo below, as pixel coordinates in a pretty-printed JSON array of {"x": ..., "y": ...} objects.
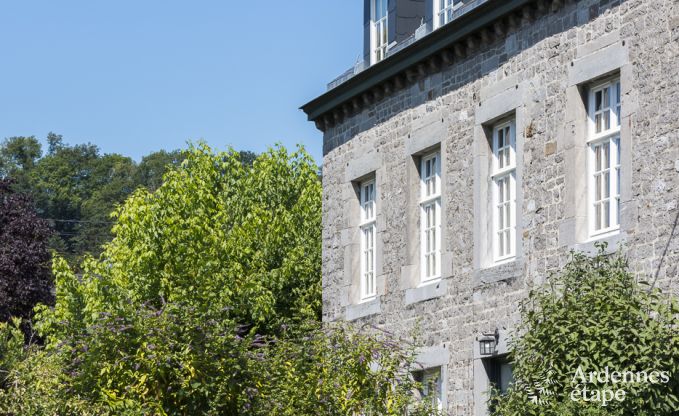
[{"x": 477, "y": 144}]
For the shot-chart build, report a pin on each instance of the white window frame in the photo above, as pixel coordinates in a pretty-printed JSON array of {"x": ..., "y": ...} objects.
[
  {"x": 378, "y": 25},
  {"x": 430, "y": 222},
  {"x": 443, "y": 11},
  {"x": 503, "y": 178},
  {"x": 602, "y": 221},
  {"x": 368, "y": 232}
]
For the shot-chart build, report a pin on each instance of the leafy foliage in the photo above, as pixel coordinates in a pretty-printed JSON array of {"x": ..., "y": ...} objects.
[
  {"x": 152, "y": 167},
  {"x": 204, "y": 303},
  {"x": 336, "y": 371},
  {"x": 18, "y": 156},
  {"x": 76, "y": 187},
  {"x": 594, "y": 315},
  {"x": 25, "y": 278}
]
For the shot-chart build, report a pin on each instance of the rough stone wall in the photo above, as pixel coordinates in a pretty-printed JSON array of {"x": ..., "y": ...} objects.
[{"x": 538, "y": 56}]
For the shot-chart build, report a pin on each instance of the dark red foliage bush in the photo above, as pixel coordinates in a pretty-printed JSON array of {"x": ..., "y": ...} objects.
[{"x": 25, "y": 272}]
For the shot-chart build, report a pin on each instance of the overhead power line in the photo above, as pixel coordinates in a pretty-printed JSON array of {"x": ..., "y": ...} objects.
[{"x": 80, "y": 221}]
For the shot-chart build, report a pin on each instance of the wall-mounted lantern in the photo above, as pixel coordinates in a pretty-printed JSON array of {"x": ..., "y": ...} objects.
[{"x": 488, "y": 343}]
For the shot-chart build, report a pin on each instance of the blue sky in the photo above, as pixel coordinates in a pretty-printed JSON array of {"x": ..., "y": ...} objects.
[{"x": 137, "y": 76}]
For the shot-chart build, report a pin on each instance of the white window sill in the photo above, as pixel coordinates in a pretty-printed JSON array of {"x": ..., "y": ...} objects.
[
  {"x": 615, "y": 239},
  {"x": 426, "y": 291},
  {"x": 430, "y": 281},
  {"x": 602, "y": 235},
  {"x": 367, "y": 299},
  {"x": 502, "y": 260},
  {"x": 367, "y": 307}
]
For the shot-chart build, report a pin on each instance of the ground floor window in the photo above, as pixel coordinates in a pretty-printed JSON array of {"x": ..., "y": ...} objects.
[
  {"x": 500, "y": 373},
  {"x": 431, "y": 388}
]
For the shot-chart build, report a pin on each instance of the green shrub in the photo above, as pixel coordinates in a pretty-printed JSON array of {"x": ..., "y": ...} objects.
[{"x": 594, "y": 315}]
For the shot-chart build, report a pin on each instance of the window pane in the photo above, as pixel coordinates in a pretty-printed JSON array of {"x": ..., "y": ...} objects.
[
  {"x": 599, "y": 158},
  {"x": 430, "y": 386},
  {"x": 607, "y": 119},
  {"x": 508, "y": 243},
  {"x": 597, "y": 122},
  {"x": 503, "y": 220},
  {"x": 606, "y": 155},
  {"x": 607, "y": 185},
  {"x": 607, "y": 214},
  {"x": 597, "y": 217},
  {"x": 506, "y": 377},
  {"x": 617, "y": 99},
  {"x": 606, "y": 94},
  {"x": 508, "y": 212},
  {"x": 368, "y": 261},
  {"x": 597, "y": 101}
]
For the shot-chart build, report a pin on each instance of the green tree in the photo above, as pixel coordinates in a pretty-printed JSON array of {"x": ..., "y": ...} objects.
[
  {"x": 152, "y": 168},
  {"x": 18, "y": 157},
  {"x": 219, "y": 255},
  {"x": 62, "y": 182},
  {"x": 54, "y": 142},
  {"x": 205, "y": 302},
  {"x": 77, "y": 188},
  {"x": 110, "y": 183},
  {"x": 592, "y": 316},
  {"x": 247, "y": 157}
]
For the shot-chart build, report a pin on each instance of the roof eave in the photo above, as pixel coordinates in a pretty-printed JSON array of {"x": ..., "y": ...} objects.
[{"x": 435, "y": 42}]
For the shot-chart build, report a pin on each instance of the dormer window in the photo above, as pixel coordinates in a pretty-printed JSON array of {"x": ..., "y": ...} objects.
[
  {"x": 378, "y": 38},
  {"x": 444, "y": 10}
]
